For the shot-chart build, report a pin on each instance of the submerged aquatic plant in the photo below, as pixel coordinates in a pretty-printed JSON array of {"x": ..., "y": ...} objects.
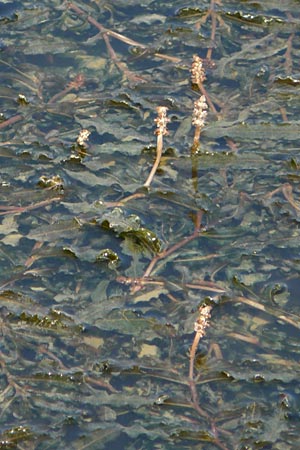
[
  {"x": 54, "y": 183},
  {"x": 72, "y": 264}
]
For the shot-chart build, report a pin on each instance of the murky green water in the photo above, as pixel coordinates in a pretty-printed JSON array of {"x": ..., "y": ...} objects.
[{"x": 102, "y": 278}]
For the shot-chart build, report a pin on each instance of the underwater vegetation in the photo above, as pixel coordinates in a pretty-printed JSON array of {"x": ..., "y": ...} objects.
[{"x": 149, "y": 235}]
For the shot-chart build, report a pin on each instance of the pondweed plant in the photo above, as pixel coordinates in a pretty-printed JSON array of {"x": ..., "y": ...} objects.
[
  {"x": 161, "y": 131},
  {"x": 200, "y": 326},
  {"x": 83, "y": 138},
  {"x": 197, "y": 71},
  {"x": 199, "y": 116},
  {"x": 198, "y": 77},
  {"x": 176, "y": 286},
  {"x": 162, "y": 256}
]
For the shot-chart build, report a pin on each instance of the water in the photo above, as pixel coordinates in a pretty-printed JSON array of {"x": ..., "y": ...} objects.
[{"x": 101, "y": 278}]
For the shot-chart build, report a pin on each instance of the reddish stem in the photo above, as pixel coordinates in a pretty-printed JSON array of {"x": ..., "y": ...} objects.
[{"x": 10, "y": 121}]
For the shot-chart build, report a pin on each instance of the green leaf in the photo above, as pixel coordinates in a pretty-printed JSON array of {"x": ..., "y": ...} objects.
[
  {"x": 128, "y": 227},
  {"x": 55, "y": 231},
  {"x": 146, "y": 239}
]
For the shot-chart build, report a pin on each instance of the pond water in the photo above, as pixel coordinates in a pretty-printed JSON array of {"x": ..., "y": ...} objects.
[{"x": 159, "y": 316}]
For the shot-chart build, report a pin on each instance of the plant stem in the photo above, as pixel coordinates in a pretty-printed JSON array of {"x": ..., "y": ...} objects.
[{"x": 159, "y": 148}]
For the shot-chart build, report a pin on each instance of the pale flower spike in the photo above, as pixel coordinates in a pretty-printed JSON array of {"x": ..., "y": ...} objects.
[
  {"x": 161, "y": 130},
  {"x": 83, "y": 137},
  {"x": 197, "y": 71},
  {"x": 161, "y": 120},
  {"x": 200, "y": 329},
  {"x": 199, "y": 116},
  {"x": 203, "y": 320},
  {"x": 200, "y": 112}
]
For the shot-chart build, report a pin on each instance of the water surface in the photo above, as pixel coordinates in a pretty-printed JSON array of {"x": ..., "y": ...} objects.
[{"x": 101, "y": 278}]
